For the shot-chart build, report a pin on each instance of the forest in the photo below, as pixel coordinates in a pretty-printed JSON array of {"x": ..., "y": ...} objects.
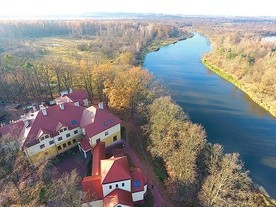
[{"x": 41, "y": 58}]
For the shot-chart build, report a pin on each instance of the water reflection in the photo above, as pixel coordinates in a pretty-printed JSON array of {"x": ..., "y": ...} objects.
[{"x": 229, "y": 116}]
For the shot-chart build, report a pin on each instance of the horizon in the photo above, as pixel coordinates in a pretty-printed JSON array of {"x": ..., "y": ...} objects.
[{"x": 32, "y": 9}]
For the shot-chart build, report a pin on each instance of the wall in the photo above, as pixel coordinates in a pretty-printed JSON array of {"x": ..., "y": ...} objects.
[
  {"x": 35, "y": 154},
  {"x": 127, "y": 186},
  {"x": 108, "y": 139},
  {"x": 138, "y": 196}
]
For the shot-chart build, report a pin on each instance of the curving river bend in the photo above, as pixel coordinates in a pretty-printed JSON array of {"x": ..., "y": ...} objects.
[{"x": 228, "y": 115}]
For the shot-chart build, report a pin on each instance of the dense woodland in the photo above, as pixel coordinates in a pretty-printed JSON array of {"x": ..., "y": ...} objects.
[{"x": 41, "y": 58}]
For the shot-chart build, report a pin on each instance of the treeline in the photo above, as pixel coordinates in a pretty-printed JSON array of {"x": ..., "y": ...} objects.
[
  {"x": 246, "y": 55},
  {"x": 198, "y": 173},
  {"x": 106, "y": 36},
  {"x": 35, "y": 71}
]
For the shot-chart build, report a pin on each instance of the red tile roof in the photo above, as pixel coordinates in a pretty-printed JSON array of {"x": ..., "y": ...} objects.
[
  {"x": 77, "y": 95},
  {"x": 85, "y": 145},
  {"x": 69, "y": 116},
  {"x": 137, "y": 175},
  {"x": 98, "y": 155},
  {"x": 14, "y": 129},
  {"x": 115, "y": 169},
  {"x": 118, "y": 196},
  {"x": 112, "y": 170},
  {"x": 103, "y": 121},
  {"x": 92, "y": 187}
]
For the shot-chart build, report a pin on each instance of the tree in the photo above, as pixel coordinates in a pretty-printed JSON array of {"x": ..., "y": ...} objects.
[
  {"x": 177, "y": 141},
  {"x": 228, "y": 183},
  {"x": 128, "y": 89},
  {"x": 65, "y": 190}
]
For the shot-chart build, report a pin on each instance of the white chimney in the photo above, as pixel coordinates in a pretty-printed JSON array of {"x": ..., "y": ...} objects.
[
  {"x": 41, "y": 106},
  {"x": 70, "y": 90},
  {"x": 44, "y": 111},
  {"x": 77, "y": 104},
  {"x": 61, "y": 106},
  {"x": 34, "y": 108},
  {"x": 26, "y": 122},
  {"x": 101, "y": 105}
]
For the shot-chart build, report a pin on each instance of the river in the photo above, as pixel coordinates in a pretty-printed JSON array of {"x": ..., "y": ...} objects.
[{"x": 228, "y": 115}]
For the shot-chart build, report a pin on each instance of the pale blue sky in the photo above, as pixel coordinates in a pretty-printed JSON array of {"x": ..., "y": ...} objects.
[{"x": 186, "y": 7}]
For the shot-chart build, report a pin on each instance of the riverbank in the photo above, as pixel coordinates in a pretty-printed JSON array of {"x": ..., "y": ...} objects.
[
  {"x": 157, "y": 44},
  {"x": 256, "y": 97}
]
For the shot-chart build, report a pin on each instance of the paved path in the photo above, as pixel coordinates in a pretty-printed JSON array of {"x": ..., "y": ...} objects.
[{"x": 159, "y": 199}]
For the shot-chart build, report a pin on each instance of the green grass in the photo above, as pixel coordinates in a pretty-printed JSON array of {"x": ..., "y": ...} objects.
[{"x": 159, "y": 169}]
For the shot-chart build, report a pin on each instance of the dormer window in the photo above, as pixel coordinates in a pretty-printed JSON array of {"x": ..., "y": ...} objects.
[
  {"x": 63, "y": 129},
  {"x": 44, "y": 136}
]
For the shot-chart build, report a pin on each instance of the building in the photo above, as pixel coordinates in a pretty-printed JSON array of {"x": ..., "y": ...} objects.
[
  {"x": 79, "y": 96},
  {"x": 9, "y": 135},
  {"x": 113, "y": 182},
  {"x": 48, "y": 131}
]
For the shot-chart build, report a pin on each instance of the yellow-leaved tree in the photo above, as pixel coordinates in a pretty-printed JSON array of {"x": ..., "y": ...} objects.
[{"x": 128, "y": 89}]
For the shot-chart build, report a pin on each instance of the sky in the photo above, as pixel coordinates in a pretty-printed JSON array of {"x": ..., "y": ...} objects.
[{"x": 25, "y": 8}]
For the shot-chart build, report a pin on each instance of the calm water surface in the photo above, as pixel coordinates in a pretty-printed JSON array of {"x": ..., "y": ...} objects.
[{"x": 228, "y": 115}]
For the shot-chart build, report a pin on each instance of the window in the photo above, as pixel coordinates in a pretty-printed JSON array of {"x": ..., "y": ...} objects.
[
  {"x": 105, "y": 123},
  {"x": 42, "y": 138},
  {"x": 59, "y": 147},
  {"x": 42, "y": 146},
  {"x": 51, "y": 142},
  {"x": 68, "y": 135},
  {"x": 106, "y": 133},
  {"x": 123, "y": 184},
  {"x": 74, "y": 140},
  {"x": 47, "y": 136},
  {"x": 136, "y": 183},
  {"x": 63, "y": 129},
  {"x": 110, "y": 187},
  {"x": 98, "y": 140},
  {"x": 64, "y": 145},
  {"x": 76, "y": 131},
  {"x": 69, "y": 143},
  {"x": 115, "y": 138},
  {"x": 111, "y": 121},
  {"x": 117, "y": 186},
  {"x": 59, "y": 138}
]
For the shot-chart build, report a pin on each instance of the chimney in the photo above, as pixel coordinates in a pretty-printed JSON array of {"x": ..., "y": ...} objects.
[
  {"x": 44, "y": 111},
  {"x": 70, "y": 90},
  {"x": 77, "y": 104},
  {"x": 34, "y": 108},
  {"x": 61, "y": 106},
  {"x": 26, "y": 122},
  {"x": 101, "y": 105}
]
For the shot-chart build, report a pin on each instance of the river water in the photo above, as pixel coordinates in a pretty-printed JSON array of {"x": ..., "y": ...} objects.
[{"x": 227, "y": 114}]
